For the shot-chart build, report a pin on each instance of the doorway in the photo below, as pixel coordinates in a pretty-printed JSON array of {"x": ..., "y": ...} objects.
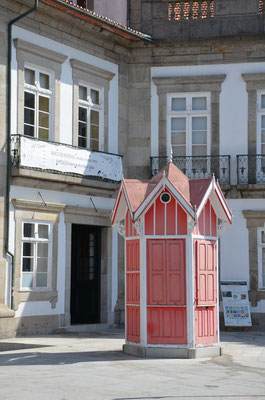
[{"x": 85, "y": 274}]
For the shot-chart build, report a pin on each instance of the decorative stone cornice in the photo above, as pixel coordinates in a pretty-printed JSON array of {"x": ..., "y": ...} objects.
[
  {"x": 254, "y": 218},
  {"x": 87, "y": 211},
  {"x": 91, "y": 69},
  {"x": 39, "y": 51},
  {"x": 21, "y": 204},
  {"x": 206, "y": 82}
]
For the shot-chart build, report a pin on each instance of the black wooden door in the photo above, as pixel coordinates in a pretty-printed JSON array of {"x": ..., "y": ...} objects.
[{"x": 85, "y": 274}]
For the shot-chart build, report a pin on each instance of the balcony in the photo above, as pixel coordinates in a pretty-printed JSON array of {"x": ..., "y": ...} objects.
[
  {"x": 195, "y": 167},
  {"x": 39, "y": 155},
  {"x": 251, "y": 169}
]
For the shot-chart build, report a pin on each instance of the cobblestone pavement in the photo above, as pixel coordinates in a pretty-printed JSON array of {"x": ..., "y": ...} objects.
[{"x": 92, "y": 367}]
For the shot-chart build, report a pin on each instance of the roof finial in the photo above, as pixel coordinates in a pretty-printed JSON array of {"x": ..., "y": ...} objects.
[
  {"x": 171, "y": 155},
  {"x": 164, "y": 179}
]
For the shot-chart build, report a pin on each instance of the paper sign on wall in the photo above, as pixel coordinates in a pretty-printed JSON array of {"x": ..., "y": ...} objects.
[{"x": 236, "y": 303}]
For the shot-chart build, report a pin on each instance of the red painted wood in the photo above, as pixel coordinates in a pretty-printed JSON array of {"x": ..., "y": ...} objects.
[
  {"x": 171, "y": 217},
  {"x": 166, "y": 276},
  {"x": 205, "y": 325},
  {"x": 159, "y": 217},
  {"x": 207, "y": 210},
  {"x": 182, "y": 221},
  {"x": 201, "y": 223},
  {"x": 156, "y": 272},
  {"x": 213, "y": 223},
  {"x": 133, "y": 255},
  {"x": 176, "y": 277},
  {"x": 133, "y": 323},
  {"x": 166, "y": 325},
  {"x": 133, "y": 287},
  {"x": 206, "y": 272},
  {"x": 149, "y": 221}
]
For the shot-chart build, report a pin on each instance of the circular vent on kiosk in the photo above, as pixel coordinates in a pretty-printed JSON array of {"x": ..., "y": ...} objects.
[{"x": 165, "y": 197}]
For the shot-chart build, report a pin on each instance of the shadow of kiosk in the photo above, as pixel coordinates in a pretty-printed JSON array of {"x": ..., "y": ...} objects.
[{"x": 171, "y": 227}]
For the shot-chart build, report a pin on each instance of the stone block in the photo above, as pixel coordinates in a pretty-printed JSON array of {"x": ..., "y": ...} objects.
[
  {"x": 235, "y": 7},
  {"x": 160, "y": 11},
  {"x": 146, "y": 12},
  {"x": 241, "y": 25}
]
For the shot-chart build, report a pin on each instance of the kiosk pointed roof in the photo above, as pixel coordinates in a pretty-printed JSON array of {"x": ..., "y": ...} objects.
[{"x": 190, "y": 193}]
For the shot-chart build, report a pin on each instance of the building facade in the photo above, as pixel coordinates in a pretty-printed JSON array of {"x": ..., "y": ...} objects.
[{"x": 91, "y": 100}]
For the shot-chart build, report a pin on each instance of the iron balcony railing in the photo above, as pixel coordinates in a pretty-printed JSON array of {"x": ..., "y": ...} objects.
[
  {"x": 64, "y": 159},
  {"x": 251, "y": 169},
  {"x": 197, "y": 167}
]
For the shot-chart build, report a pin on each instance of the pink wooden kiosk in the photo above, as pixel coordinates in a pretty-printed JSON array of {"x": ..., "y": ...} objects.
[{"x": 171, "y": 226}]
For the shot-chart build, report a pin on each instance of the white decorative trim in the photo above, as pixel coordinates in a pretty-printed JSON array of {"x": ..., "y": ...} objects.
[
  {"x": 120, "y": 227},
  {"x": 222, "y": 226},
  {"x": 191, "y": 225},
  {"x": 139, "y": 226}
]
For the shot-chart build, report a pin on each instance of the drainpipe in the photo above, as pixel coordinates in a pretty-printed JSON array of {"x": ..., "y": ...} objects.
[
  {"x": 8, "y": 140},
  {"x": 128, "y": 13}
]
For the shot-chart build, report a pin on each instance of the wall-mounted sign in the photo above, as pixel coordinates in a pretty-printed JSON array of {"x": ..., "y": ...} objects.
[
  {"x": 236, "y": 303},
  {"x": 70, "y": 160}
]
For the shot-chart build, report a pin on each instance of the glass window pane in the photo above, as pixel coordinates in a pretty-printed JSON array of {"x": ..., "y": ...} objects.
[
  {"x": 263, "y": 237},
  {"x": 199, "y": 123},
  {"x": 95, "y": 96},
  {"x": 179, "y": 151},
  {"x": 82, "y": 142},
  {"x": 44, "y": 103},
  {"x": 178, "y": 124},
  {"x": 27, "y": 280},
  {"x": 94, "y": 145},
  {"x": 42, "y": 250},
  {"x": 199, "y": 137},
  {"x": 94, "y": 134},
  {"x": 199, "y": 150},
  {"x": 178, "y": 138},
  {"x": 263, "y": 101},
  {"x": 262, "y": 121},
  {"x": 199, "y": 103},
  {"x": 82, "y": 114},
  {"x": 28, "y": 230},
  {"x": 82, "y": 93},
  {"x": 27, "y": 249},
  {"x": 43, "y": 120},
  {"x": 29, "y": 116},
  {"x": 263, "y": 149},
  {"x": 44, "y": 81},
  {"x": 29, "y": 100},
  {"x": 82, "y": 129},
  {"x": 94, "y": 117},
  {"x": 41, "y": 280},
  {"x": 178, "y": 104},
  {"x": 27, "y": 264},
  {"x": 28, "y": 130},
  {"x": 43, "y": 231},
  {"x": 29, "y": 76},
  {"x": 263, "y": 136},
  {"x": 43, "y": 134},
  {"x": 42, "y": 264}
]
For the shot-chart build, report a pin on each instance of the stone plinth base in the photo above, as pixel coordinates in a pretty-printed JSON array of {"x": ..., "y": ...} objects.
[{"x": 171, "y": 352}]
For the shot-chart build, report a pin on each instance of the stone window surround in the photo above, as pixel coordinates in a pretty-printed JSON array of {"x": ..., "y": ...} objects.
[
  {"x": 98, "y": 78},
  {"x": 39, "y": 57},
  {"x": 254, "y": 83},
  {"x": 254, "y": 220},
  {"x": 194, "y": 84},
  {"x": 100, "y": 218},
  {"x": 36, "y": 211}
]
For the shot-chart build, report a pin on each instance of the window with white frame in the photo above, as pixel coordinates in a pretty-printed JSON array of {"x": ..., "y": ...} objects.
[
  {"x": 189, "y": 124},
  {"x": 36, "y": 254},
  {"x": 261, "y": 257},
  {"x": 37, "y": 103},
  {"x": 90, "y": 118},
  {"x": 261, "y": 123}
]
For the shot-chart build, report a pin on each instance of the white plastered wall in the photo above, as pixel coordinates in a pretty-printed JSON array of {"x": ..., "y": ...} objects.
[{"x": 234, "y": 245}]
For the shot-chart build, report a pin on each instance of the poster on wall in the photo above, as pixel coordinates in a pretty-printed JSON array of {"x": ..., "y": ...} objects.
[{"x": 236, "y": 303}]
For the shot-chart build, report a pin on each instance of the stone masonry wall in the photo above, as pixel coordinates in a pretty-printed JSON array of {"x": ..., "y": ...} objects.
[{"x": 231, "y": 17}]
